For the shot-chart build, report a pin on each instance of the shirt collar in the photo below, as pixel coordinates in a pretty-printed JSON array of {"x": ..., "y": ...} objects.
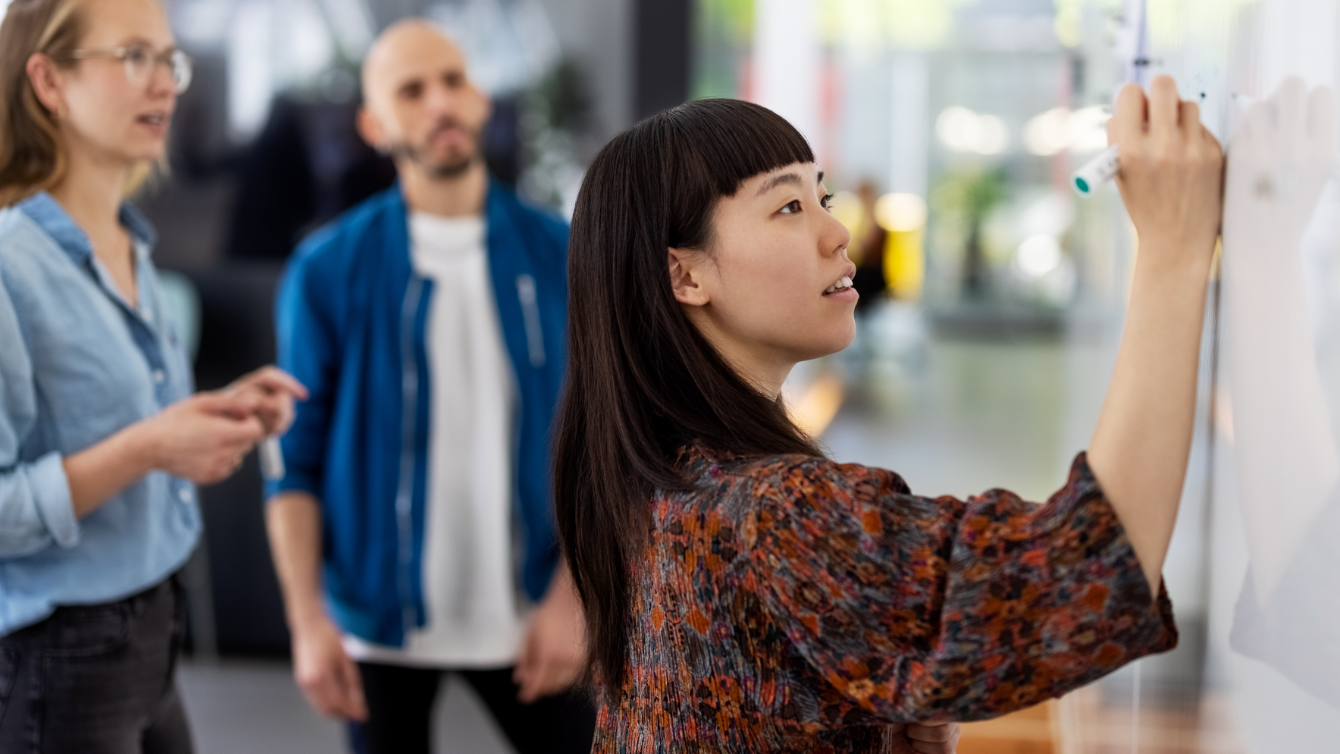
[{"x": 52, "y": 218}]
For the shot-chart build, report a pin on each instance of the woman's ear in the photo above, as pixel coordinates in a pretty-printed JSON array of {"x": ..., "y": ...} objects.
[
  {"x": 46, "y": 83},
  {"x": 687, "y": 276}
]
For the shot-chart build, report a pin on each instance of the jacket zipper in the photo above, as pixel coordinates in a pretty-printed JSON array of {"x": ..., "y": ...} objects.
[
  {"x": 530, "y": 317},
  {"x": 530, "y": 314},
  {"x": 404, "y": 501}
]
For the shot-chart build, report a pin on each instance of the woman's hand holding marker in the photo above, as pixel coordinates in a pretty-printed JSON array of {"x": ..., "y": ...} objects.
[{"x": 1171, "y": 173}]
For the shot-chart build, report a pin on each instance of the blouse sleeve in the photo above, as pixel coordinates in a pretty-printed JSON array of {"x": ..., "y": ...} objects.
[{"x": 923, "y": 609}]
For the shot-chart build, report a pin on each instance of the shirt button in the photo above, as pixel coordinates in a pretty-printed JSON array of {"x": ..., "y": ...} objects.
[
  {"x": 159, "y": 376},
  {"x": 184, "y": 494}
]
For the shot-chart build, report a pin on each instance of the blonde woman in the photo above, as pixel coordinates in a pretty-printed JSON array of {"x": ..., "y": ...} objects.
[{"x": 101, "y": 441}]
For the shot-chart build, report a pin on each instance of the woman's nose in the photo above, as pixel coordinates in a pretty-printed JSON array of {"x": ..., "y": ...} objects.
[{"x": 836, "y": 236}]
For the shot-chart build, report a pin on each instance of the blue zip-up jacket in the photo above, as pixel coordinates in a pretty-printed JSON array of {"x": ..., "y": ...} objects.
[{"x": 350, "y": 320}]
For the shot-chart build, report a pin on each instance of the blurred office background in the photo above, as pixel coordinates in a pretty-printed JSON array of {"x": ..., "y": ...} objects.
[{"x": 992, "y": 297}]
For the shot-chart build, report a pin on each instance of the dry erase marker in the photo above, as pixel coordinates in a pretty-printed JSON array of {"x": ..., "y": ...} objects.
[
  {"x": 272, "y": 458},
  {"x": 1095, "y": 172}
]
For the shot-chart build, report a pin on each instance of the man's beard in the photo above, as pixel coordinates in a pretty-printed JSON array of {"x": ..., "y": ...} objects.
[{"x": 438, "y": 170}]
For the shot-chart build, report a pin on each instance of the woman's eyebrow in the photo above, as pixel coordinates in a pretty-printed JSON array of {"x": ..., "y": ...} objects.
[
  {"x": 779, "y": 180},
  {"x": 136, "y": 41}
]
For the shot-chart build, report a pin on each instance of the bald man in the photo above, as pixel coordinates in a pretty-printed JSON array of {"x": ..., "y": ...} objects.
[{"x": 413, "y": 529}]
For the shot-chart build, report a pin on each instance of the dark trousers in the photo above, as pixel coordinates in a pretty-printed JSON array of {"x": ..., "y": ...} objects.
[
  {"x": 96, "y": 679},
  {"x": 400, "y": 705}
]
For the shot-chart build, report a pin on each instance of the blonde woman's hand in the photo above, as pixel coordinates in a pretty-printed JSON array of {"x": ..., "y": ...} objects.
[
  {"x": 1171, "y": 174},
  {"x": 273, "y": 392},
  {"x": 203, "y": 438}
]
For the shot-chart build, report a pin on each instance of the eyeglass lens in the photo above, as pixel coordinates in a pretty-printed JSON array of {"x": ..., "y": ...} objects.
[{"x": 140, "y": 65}]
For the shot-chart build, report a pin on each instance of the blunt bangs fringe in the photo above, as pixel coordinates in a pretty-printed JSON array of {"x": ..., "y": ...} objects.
[{"x": 738, "y": 140}]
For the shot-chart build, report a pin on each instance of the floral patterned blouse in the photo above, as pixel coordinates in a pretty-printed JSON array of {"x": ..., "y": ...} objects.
[{"x": 797, "y": 604}]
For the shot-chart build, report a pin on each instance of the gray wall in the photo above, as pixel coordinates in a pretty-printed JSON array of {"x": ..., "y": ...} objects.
[{"x": 598, "y": 34}]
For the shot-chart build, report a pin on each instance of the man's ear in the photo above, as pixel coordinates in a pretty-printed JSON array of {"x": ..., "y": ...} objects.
[
  {"x": 370, "y": 129},
  {"x": 46, "y": 84},
  {"x": 687, "y": 276}
]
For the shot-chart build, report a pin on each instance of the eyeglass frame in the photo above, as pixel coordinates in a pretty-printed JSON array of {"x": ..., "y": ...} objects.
[{"x": 169, "y": 58}]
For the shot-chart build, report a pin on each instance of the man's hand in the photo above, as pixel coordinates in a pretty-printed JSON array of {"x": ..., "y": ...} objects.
[
  {"x": 273, "y": 391},
  {"x": 325, "y": 673},
  {"x": 929, "y": 738},
  {"x": 554, "y": 653}
]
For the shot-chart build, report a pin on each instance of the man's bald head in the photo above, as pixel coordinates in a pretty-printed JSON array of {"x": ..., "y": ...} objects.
[{"x": 419, "y": 104}]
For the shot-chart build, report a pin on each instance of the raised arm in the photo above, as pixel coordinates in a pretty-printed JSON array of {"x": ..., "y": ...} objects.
[
  {"x": 926, "y": 609},
  {"x": 1170, "y": 180}
]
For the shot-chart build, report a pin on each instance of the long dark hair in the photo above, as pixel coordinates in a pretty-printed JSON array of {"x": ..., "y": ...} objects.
[{"x": 642, "y": 381}]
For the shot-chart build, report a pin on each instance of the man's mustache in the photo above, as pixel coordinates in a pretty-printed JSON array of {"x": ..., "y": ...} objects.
[{"x": 447, "y": 123}]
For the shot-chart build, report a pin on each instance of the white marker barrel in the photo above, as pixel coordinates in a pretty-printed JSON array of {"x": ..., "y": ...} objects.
[
  {"x": 272, "y": 458},
  {"x": 1095, "y": 172}
]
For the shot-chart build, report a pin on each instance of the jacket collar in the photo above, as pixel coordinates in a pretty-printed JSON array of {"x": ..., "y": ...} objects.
[
  {"x": 52, "y": 218},
  {"x": 496, "y": 204}
]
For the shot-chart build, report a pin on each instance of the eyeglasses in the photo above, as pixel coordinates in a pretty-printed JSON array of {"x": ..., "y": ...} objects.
[{"x": 141, "y": 61}]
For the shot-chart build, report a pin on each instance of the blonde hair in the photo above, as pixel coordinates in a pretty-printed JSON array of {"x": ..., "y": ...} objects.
[{"x": 32, "y": 154}]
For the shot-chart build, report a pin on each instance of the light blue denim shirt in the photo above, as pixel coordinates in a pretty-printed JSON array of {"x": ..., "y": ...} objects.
[{"x": 78, "y": 364}]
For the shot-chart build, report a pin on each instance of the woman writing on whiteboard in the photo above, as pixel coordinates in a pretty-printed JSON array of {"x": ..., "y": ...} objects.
[{"x": 745, "y": 593}]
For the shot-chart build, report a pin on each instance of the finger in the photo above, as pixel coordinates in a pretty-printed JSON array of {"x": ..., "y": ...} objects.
[
  {"x": 535, "y": 680},
  {"x": 530, "y": 689},
  {"x": 355, "y": 707},
  {"x": 523, "y": 675},
  {"x": 1163, "y": 106},
  {"x": 1128, "y": 117},
  {"x": 323, "y": 696},
  {"x": 1321, "y": 124},
  {"x": 243, "y": 433},
  {"x": 234, "y": 404},
  {"x": 1189, "y": 117},
  {"x": 272, "y": 409},
  {"x": 276, "y": 380}
]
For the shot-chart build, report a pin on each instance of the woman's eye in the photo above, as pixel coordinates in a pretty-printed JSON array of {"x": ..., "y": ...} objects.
[
  {"x": 791, "y": 208},
  {"x": 137, "y": 55}
]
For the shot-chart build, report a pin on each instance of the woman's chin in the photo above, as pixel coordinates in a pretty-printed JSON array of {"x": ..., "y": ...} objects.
[{"x": 830, "y": 345}]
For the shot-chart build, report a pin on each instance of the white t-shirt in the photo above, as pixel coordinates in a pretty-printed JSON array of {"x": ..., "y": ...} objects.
[{"x": 474, "y": 618}]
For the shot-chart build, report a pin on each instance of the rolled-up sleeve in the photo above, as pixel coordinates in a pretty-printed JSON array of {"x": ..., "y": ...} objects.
[
  {"x": 942, "y": 609},
  {"x": 308, "y": 350},
  {"x": 35, "y": 506}
]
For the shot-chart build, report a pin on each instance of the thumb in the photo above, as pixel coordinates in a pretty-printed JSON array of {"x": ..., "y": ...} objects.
[
  {"x": 352, "y": 683},
  {"x": 529, "y": 674},
  {"x": 231, "y": 404},
  {"x": 525, "y": 659}
]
